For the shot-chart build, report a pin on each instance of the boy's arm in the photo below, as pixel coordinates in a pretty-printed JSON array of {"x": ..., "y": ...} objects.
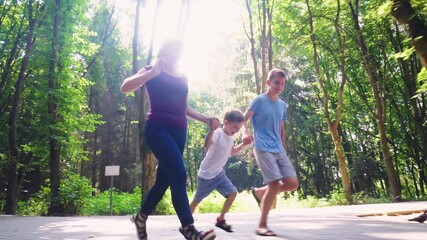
[
  {"x": 208, "y": 138},
  {"x": 246, "y": 140}
]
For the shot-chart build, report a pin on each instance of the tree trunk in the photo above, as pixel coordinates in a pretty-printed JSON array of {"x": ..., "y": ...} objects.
[
  {"x": 250, "y": 35},
  {"x": 6, "y": 70},
  {"x": 339, "y": 151},
  {"x": 183, "y": 18},
  {"x": 333, "y": 124},
  {"x": 263, "y": 45},
  {"x": 148, "y": 160},
  {"x": 12, "y": 189},
  {"x": 418, "y": 114},
  {"x": 55, "y": 207},
  {"x": 270, "y": 35},
  {"x": 415, "y": 28},
  {"x": 380, "y": 108},
  {"x": 94, "y": 164}
]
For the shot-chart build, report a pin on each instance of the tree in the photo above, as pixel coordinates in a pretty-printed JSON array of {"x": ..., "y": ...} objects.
[
  {"x": 15, "y": 158},
  {"x": 264, "y": 10},
  {"x": 378, "y": 91},
  {"x": 416, "y": 29},
  {"x": 333, "y": 124},
  {"x": 55, "y": 149}
]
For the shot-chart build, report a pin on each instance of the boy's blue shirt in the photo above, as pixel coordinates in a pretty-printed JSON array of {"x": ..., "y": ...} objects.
[{"x": 267, "y": 119}]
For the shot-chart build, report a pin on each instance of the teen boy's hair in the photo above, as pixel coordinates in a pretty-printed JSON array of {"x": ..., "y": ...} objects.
[
  {"x": 234, "y": 116},
  {"x": 275, "y": 72}
]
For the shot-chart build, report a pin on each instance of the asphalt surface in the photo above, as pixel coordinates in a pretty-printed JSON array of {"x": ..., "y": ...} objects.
[{"x": 386, "y": 222}]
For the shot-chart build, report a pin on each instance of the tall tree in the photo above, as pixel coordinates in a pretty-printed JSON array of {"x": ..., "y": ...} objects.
[
  {"x": 262, "y": 10},
  {"x": 54, "y": 145},
  {"x": 13, "y": 186},
  {"x": 333, "y": 124},
  {"x": 378, "y": 90},
  {"x": 146, "y": 157},
  {"x": 415, "y": 27},
  {"x": 251, "y": 37}
]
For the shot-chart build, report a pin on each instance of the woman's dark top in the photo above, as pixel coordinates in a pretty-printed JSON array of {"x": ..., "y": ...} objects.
[{"x": 168, "y": 99}]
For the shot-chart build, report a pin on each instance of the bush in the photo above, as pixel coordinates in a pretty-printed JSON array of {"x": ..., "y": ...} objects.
[
  {"x": 2, "y": 204},
  {"x": 37, "y": 204},
  {"x": 212, "y": 203},
  {"x": 337, "y": 197},
  {"x": 165, "y": 207},
  {"x": 123, "y": 203},
  {"x": 74, "y": 193}
]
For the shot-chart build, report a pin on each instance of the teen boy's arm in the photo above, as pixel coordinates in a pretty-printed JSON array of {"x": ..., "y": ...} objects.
[
  {"x": 245, "y": 131},
  {"x": 282, "y": 127}
]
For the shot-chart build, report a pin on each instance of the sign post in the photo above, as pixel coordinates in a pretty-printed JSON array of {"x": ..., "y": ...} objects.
[{"x": 112, "y": 171}]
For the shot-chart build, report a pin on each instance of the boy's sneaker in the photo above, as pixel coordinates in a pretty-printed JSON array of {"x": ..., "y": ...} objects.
[
  {"x": 223, "y": 225},
  {"x": 191, "y": 233}
]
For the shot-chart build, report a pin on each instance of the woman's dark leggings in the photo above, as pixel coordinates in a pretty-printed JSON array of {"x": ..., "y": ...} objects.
[{"x": 167, "y": 144}]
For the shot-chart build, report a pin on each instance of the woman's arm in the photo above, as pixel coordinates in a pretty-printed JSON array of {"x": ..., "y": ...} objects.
[
  {"x": 135, "y": 81},
  {"x": 192, "y": 113}
]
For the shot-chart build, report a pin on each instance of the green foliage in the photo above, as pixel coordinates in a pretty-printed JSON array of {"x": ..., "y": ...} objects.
[
  {"x": 37, "y": 204},
  {"x": 212, "y": 204},
  {"x": 123, "y": 203},
  {"x": 337, "y": 197},
  {"x": 165, "y": 206},
  {"x": 422, "y": 79},
  {"x": 84, "y": 98},
  {"x": 74, "y": 193},
  {"x": 406, "y": 54},
  {"x": 296, "y": 200}
]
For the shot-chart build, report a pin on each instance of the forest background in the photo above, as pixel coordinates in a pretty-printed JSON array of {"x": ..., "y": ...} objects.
[{"x": 356, "y": 129}]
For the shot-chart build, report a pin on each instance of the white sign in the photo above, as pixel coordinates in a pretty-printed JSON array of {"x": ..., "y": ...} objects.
[{"x": 112, "y": 170}]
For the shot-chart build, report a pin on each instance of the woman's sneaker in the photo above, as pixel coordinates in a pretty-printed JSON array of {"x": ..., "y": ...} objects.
[{"x": 191, "y": 233}]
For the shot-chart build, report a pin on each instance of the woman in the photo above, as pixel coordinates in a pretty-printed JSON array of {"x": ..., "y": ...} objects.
[{"x": 165, "y": 135}]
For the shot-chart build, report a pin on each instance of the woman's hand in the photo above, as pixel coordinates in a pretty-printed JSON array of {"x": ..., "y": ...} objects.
[
  {"x": 213, "y": 123},
  {"x": 140, "y": 78},
  {"x": 158, "y": 66}
]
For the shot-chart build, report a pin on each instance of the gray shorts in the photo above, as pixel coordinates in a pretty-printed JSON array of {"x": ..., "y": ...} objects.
[
  {"x": 274, "y": 166},
  {"x": 220, "y": 182}
]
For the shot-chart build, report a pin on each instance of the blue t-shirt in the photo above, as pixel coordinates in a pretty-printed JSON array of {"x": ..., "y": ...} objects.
[{"x": 267, "y": 119}]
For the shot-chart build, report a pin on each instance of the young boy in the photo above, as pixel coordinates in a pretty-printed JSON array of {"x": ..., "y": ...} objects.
[
  {"x": 211, "y": 175},
  {"x": 268, "y": 115}
]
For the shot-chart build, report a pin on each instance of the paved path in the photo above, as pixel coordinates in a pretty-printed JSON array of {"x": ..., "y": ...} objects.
[{"x": 326, "y": 223}]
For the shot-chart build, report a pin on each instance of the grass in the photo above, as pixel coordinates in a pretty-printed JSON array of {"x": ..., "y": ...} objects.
[{"x": 129, "y": 203}]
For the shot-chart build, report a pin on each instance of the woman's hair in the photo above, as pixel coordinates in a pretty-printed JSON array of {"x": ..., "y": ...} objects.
[
  {"x": 275, "y": 72},
  {"x": 171, "y": 41},
  {"x": 234, "y": 115}
]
